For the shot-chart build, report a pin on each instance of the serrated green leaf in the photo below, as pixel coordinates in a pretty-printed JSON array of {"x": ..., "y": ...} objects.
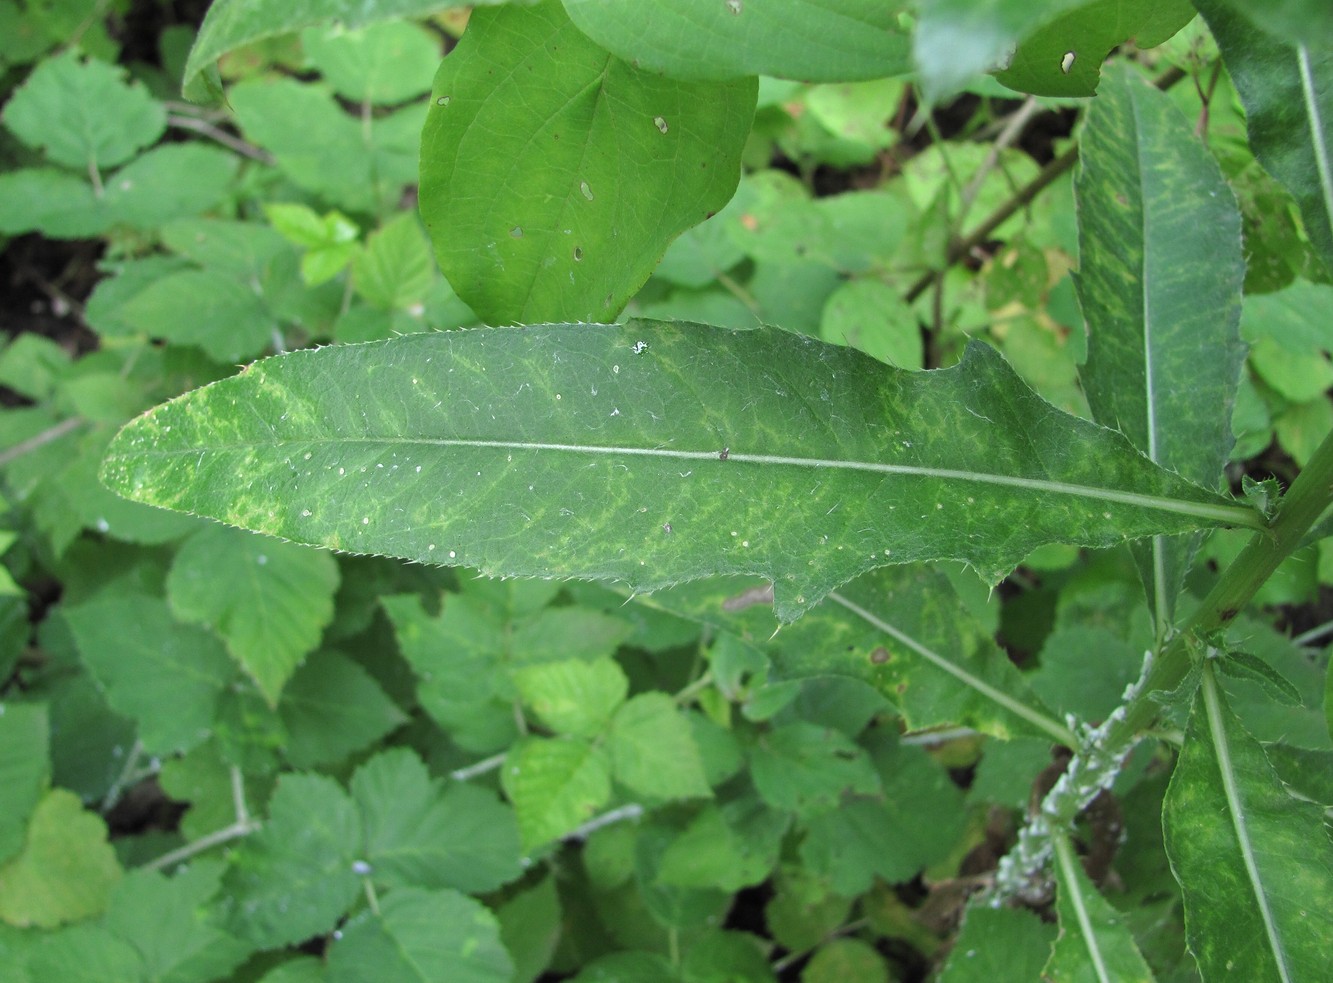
[
  {"x": 797, "y": 39},
  {"x": 457, "y": 660},
  {"x": 396, "y": 269},
  {"x": 573, "y": 697},
  {"x": 215, "y": 311},
  {"x": 601, "y": 463},
  {"x": 381, "y": 63},
  {"x": 231, "y": 24},
  {"x": 872, "y": 316},
  {"x": 653, "y": 751},
  {"x": 729, "y": 846},
  {"x": 1094, "y": 945},
  {"x": 164, "y": 675},
  {"x": 995, "y": 943},
  {"x": 168, "y": 923},
  {"x": 331, "y": 708},
  {"x": 66, "y": 869},
  {"x": 245, "y": 250},
  {"x": 846, "y": 959},
  {"x": 914, "y": 822},
  {"x": 302, "y": 969},
  {"x": 1153, "y": 288},
  {"x": 555, "y": 786},
  {"x": 551, "y": 187},
  {"x": 269, "y": 601},
  {"x": 421, "y": 936},
  {"x": 25, "y": 770},
  {"x": 1064, "y": 57},
  {"x": 419, "y": 834},
  {"x": 1287, "y": 89},
  {"x": 293, "y": 878},
  {"x": 723, "y": 956},
  {"x": 83, "y": 114},
  {"x": 628, "y": 967},
  {"x": 807, "y": 769},
  {"x": 1288, "y": 339},
  {"x": 1255, "y": 864},
  {"x": 168, "y": 182},
  {"x": 83, "y": 954},
  {"x": 531, "y": 926},
  {"x": 323, "y": 149}
]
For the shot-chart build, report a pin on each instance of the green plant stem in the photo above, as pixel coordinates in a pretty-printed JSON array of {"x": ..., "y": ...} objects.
[{"x": 1310, "y": 494}]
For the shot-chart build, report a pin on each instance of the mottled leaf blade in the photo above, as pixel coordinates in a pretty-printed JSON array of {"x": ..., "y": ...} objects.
[
  {"x": 1287, "y": 90},
  {"x": 810, "y": 40},
  {"x": 1094, "y": 945},
  {"x": 650, "y": 453},
  {"x": 1296, "y": 21},
  {"x": 554, "y": 175},
  {"x": 1160, "y": 276},
  {"x": 1255, "y": 863}
]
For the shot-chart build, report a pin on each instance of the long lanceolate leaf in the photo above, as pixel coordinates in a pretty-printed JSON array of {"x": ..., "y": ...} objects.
[
  {"x": 1159, "y": 282},
  {"x": 650, "y": 453},
  {"x": 1094, "y": 946},
  {"x": 1287, "y": 90},
  {"x": 1254, "y": 862}
]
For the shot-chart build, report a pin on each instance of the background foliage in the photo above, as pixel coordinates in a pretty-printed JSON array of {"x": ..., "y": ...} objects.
[{"x": 227, "y": 757}]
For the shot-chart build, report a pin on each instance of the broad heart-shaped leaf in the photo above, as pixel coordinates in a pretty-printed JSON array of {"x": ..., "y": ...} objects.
[
  {"x": 1255, "y": 863},
  {"x": 1160, "y": 276},
  {"x": 650, "y": 453},
  {"x": 810, "y": 40},
  {"x": 554, "y": 175},
  {"x": 1095, "y": 944},
  {"x": 1287, "y": 90},
  {"x": 1064, "y": 57},
  {"x": 231, "y": 24}
]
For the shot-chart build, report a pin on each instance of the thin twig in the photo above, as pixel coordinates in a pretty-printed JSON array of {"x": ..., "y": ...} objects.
[
  {"x": 233, "y": 832},
  {"x": 201, "y": 126},
  {"x": 1021, "y": 199},
  {"x": 480, "y": 768},
  {"x": 41, "y": 440}
]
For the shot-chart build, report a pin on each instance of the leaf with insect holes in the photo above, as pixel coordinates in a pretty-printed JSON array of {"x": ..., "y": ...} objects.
[{"x": 650, "y": 453}]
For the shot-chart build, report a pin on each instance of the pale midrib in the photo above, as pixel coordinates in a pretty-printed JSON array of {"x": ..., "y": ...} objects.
[
  {"x": 1225, "y": 514},
  {"x": 1159, "y": 586},
  {"x": 1321, "y": 150},
  {"x": 1062, "y": 734},
  {"x": 1065, "y": 861},
  {"x": 1218, "y": 734}
]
